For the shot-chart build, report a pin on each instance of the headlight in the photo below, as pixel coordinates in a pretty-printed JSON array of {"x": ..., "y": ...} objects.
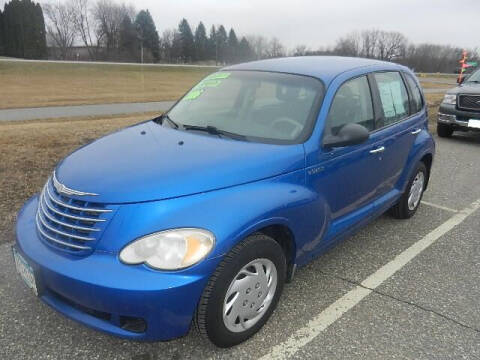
[
  {"x": 450, "y": 99},
  {"x": 169, "y": 250}
]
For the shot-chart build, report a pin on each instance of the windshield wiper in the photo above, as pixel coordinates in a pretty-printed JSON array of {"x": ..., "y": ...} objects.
[
  {"x": 163, "y": 117},
  {"x": 214, "y": 131}
]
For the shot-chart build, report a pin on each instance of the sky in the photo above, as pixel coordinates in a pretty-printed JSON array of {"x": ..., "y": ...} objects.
[{"x": 318, "y": 23}]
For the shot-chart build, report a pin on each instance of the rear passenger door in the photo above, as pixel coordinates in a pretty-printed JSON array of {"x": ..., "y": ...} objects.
[{"x": 400, "y": 121}]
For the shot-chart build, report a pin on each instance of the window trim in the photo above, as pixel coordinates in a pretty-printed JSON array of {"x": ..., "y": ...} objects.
[
  {"x": 405, "y": 76},
  {"x": 372, "y": 99}
]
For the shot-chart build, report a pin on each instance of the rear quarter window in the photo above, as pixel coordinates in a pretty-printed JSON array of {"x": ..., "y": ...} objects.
[
  {"x": 393, "y": 97},
  {"x": 417, "y": 100}
]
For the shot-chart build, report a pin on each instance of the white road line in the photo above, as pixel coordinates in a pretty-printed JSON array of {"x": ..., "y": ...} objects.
[
  {"x": 439, "y": 206},
  {"x": 336, "y": 310}
]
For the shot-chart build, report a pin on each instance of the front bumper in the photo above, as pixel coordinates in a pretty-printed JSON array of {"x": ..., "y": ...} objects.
[
  {"x": 450, "y": 115},
  {"x": 101, "y": 292}
]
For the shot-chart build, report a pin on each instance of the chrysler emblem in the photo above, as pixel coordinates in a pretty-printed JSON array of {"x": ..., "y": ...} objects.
[{"x": 62, "y": 189}]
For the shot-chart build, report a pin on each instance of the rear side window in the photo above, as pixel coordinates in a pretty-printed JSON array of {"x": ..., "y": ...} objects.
[
  {"x": 393, "y": 95},
  {"x": 416, "y": 100},
  {"x": 352, "y": 104}
]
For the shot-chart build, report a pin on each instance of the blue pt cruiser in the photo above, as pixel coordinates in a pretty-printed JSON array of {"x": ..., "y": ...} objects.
[{"x": 201, "y": 215}]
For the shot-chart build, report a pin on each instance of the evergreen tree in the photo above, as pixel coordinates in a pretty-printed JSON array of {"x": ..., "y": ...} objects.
[
  {"x": 232, "y": 48},
  {"x": 2, "y": 33},
  {"x": 24, "y": 30},
  {"x": 245, "y": 51},
  {"x": 187, "y": 40},
  {"x": 212, "y": 44},
  {"x": 128, "y": 43},
  {"x": 222, "y": 43},
  {"x": 148, "y": 33},
  {"x": 201, "y": 42}
]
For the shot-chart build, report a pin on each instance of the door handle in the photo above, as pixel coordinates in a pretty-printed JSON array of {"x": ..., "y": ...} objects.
[
  {"x": 378, "y": 150},
  {"x": 415, "y": 132}
]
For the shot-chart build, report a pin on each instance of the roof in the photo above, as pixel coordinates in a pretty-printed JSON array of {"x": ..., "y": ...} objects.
[{"x": 322, "y": 67}]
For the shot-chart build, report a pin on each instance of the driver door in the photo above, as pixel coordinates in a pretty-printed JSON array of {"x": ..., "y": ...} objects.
[{"x": 349, "y": 176}]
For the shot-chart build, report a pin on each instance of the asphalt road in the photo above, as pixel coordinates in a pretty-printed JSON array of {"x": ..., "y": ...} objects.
[
  {"x": 82, "y": 110},
  {"x": 419, "y": 298}
]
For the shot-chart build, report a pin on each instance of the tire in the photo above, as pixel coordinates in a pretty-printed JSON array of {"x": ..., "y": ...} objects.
[
  {"x": 261, "y": 251},
  {"x": 444, "y": 131},
  {"x": 404, "y": 209}
]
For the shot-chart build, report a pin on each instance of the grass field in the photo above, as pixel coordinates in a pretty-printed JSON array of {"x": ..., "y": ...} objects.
[{"x": 24, "y": 84}]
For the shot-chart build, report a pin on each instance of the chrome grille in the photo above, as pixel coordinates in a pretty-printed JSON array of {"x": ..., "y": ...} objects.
[
  {"x": 469, "y": 102},
  {"x": 68, "y": 223}
]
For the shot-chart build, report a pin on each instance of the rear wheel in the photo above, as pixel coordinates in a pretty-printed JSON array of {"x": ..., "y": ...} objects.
[
  {"x": 444, "y": 130},
  {"x": 410, "y": 200},
  {"x": 242, "y": 292}
]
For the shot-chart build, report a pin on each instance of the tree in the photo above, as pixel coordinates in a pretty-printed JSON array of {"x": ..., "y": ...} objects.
[
  {"x": 391, "y": 45},
  {"x": 245, "y": 51},
  {"x": 61, "y": 28},
  {"x": 24, "y": 30},
  {"x": 148, "y": 34},
  {"x": 275, "y": 49},
  {"x": 109, "y": 17},
  {"x": 201, "y": 42},
  {"x": 300, "y": 50},
  {"x": 129, "y": 43},
  {"x": 212, "y": 44},
  {"x": 84, "y": 25},
  {"x": 221, "y": 44},
  {"x": 232, "y": 47},
  {"x": 258, "y": 45},
  {"x": 2, "y": 34},
  {"x": 187, "y": 41}
]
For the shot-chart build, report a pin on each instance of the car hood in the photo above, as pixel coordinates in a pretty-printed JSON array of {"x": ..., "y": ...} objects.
[
  {"x": 466, "y": 88},
  {"x": 148, "y": 161}
]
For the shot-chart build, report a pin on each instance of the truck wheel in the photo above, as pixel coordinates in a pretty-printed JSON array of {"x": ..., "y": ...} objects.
[
  {"x": 444, "y": 130},
  {"x": 410, "y": 200},
  {"x": 242, "y": 292}
]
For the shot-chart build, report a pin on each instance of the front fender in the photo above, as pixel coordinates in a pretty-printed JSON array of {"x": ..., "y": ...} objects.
[{"x": 231, "y": 214}]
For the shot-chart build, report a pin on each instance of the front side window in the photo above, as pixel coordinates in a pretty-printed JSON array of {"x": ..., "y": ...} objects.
[
  {"x": 393, "y": 96},
  {"x": 259, "y": 106},
  {"x": 352, "y": 104},
  {"x": 417, "y": 100}
]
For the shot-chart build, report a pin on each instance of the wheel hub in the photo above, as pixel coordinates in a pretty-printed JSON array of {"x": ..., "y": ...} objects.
[
  {"x": 416, "y": 190},
  {"x": 249, "y": 295}
]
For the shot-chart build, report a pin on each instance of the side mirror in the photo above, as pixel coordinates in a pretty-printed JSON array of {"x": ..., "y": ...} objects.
[{"x": 349, "y": 134}]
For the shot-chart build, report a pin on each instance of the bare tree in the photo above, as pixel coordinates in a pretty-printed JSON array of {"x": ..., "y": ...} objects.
[
  {"x": 275, "y": 48},
  {"x": 259, "y": 45},
  {"x": 300, "y": 50},
  {"x": 109, "y": 17},
  {"x": 369, "y": 42},
  {"x": 84, "y": 25},
  {"x": 349, "y": 45},
  {"x": 60, "y": 26},
  {"x": 391, "y": 45}
]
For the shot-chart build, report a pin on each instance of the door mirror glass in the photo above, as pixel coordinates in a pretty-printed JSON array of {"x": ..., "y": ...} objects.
[{"x": 349, "y": 134}]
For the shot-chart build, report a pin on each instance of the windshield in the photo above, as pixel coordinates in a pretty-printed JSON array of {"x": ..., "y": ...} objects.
[
  {"x": 475, "y": 77},
  {"x": 259, "y": 106}
]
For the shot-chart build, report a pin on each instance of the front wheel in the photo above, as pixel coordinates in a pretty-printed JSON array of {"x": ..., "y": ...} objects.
[
  {"x": 410, "y": 200},
  {"x": 242, "y": 292}
]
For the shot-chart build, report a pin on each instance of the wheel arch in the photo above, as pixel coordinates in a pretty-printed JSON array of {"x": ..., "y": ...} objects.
[{"x": 427, "y": 159}]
